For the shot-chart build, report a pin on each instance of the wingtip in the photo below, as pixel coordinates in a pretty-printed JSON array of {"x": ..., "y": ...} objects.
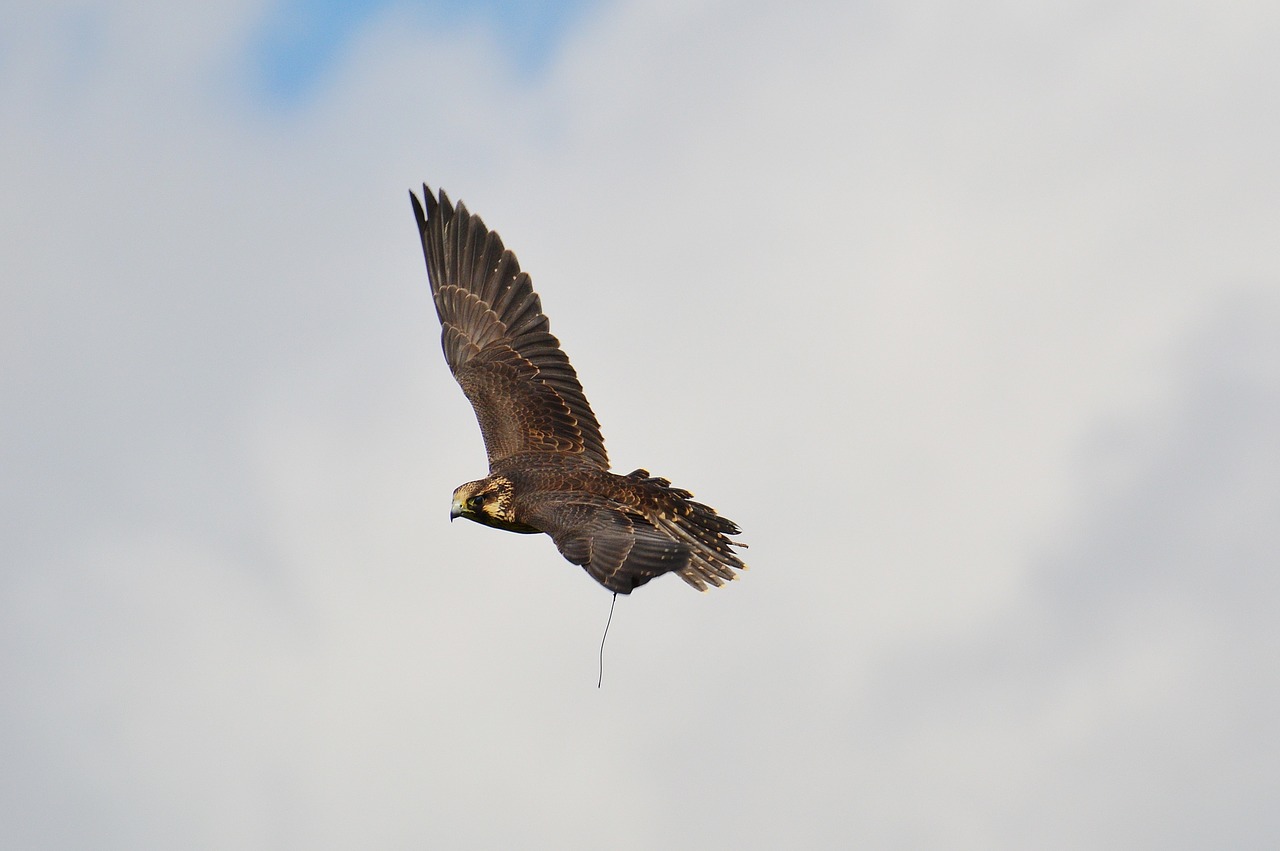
[
  {"x": 431, "y": 205},
  {"x": 418, "y": 212}
]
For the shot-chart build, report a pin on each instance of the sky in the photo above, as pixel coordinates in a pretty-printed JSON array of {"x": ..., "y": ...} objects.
[{"x": 967, "y": 314}]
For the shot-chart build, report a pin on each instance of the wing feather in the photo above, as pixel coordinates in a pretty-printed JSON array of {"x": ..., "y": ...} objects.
[
  {"x": 498, "y": 342},
  {"x": 620, "y": 549}
]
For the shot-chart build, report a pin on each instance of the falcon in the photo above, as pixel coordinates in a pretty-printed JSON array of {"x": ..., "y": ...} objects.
[{"x": 548, "y": 471}]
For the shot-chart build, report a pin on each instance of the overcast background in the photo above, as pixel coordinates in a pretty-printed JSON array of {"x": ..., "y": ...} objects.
[{"x": 968, "y": 314}]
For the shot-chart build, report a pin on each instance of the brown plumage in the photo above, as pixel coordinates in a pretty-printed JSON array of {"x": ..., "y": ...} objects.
[{"x": 548, "y": 471}]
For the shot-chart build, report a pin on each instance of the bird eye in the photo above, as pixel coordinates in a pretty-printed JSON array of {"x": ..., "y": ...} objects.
[{"x": 475, "y": 502}]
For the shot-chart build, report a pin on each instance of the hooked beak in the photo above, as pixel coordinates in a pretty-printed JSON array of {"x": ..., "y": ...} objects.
[{"x": 455, "y": 511}]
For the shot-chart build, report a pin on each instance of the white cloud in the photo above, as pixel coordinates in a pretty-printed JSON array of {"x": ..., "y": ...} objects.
[{"x": 967, "y": 316}]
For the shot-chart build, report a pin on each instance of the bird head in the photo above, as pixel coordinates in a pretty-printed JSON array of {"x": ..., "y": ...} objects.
[{"x": 489, "y": 502}]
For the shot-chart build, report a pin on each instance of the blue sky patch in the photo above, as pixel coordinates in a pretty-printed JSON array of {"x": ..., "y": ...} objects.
[{"x": 302, "y": 40}]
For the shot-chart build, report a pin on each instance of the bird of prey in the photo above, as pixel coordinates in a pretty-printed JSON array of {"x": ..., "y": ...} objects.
[{"x": 548, "y": 471}]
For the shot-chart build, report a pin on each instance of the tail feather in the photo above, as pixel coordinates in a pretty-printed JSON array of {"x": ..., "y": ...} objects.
[{"x": 712, "y": 559}]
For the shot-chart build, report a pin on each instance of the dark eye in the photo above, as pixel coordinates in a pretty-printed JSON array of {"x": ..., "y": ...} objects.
[{"x": 475, "y": 502}]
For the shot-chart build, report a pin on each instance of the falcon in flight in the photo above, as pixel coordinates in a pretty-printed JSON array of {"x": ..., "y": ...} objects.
[{"x": 548, "y": 471}]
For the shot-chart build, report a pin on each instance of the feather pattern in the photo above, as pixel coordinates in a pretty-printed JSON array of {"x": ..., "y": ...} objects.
[{"x": 498, "y": 342}]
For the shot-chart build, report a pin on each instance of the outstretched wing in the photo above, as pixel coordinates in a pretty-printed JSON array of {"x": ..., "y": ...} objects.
[
  {"x": 620, "y": 549},
  {"x": 498, "y": 342}
]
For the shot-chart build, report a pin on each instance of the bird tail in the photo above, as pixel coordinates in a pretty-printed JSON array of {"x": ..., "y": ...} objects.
[{"x": 712, "y": 559}]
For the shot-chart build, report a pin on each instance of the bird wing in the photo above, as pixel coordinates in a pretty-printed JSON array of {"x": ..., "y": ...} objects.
[
  {"x": 498, "y": 342},
  {"x": 620, "y": 549}
]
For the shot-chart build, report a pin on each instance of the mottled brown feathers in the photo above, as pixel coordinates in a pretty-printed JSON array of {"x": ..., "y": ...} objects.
[
  {"x": 498, "y": 343},
  {"x": 548, "y": 470}
]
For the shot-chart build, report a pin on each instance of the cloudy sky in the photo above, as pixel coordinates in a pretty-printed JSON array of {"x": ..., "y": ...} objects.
[{"x": 968, "y": 314}]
